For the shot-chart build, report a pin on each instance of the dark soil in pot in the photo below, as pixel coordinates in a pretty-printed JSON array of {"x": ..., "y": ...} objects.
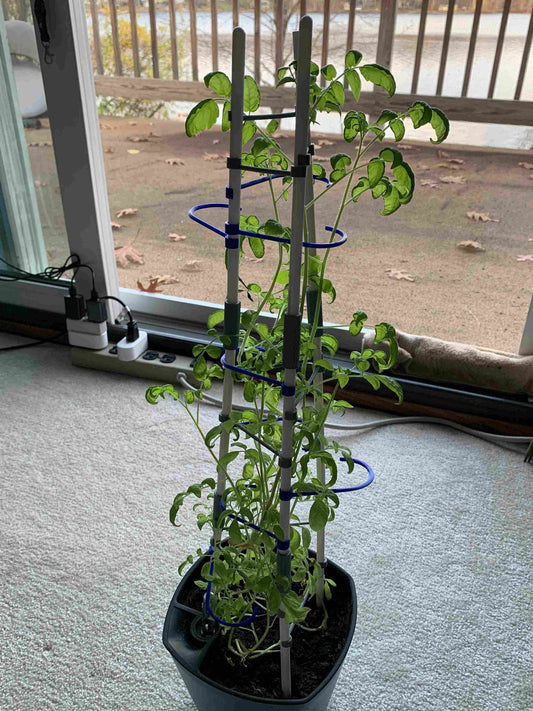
[{"x": 313, "y": 654}]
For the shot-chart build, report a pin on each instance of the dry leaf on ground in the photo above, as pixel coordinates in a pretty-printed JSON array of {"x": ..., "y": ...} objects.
[
  {"x": 109, "y": 149},
  {"x": 459, "y": 161},
  {"x": 133, "y": 151},
  {"x": 480, "y": 216},
  {"x": 216, "y": 141},
  {"x": 132, "y": 123},
  {"x": 40, "y": 183},
  {"x": 470, "y": 246},
  {"x": 174, "y": 161},
  {"x": 127, "y": 254},
  {"x": 447, "y": 165},
  {"x": 410, "y": 148},
  {"x": 115, "y": 226},
  {"x": 173, "y": 237},
  {"x": 320, "y": 159},
  {"x": 165, "y": 279},
  {"x": 399, "y": 274},
  {"x": 105, "y": 126},
  {"x": 194, "y": 265},
  {"x": 460, "y": 179},
  {"x": 442, "y": 154},
  {"x": 151, "y": 288},
  {"x": 429, "y": 184},
  {"x": 254, "y": 260},
  {"x": 153, "y": 134},
  {"x": 212, "y": 156},
  {"x": 423, "y": 166},
  {"x": 126, "y": 211},
  {"x": 325, "y": 142},
  {"x": 524, "y": 257},
  {"x": 138, "y": 139},
  {"x": 527, "y": 166}
]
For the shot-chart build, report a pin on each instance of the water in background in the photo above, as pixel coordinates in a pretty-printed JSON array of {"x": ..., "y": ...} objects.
[{"x": 365, "y": 40}]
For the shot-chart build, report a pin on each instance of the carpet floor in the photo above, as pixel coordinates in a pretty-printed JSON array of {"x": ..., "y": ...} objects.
[{"x": 439, "y": 548}]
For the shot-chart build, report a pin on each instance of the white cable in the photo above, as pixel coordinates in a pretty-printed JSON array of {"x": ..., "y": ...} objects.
[{"x": 489, "y": 437}]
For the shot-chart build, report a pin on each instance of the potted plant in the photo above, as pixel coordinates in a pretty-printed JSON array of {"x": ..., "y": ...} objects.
[{"x": 261, "y": 619}]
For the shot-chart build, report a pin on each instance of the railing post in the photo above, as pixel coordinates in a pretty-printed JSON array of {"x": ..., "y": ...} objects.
[{"x": 387, "y": 23}]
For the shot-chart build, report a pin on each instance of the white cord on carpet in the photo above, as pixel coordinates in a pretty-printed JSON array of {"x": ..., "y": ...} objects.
[{"x": 494, "y": 438}]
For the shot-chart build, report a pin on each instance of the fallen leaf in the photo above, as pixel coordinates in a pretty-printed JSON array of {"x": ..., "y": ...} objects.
[
  {"x": 447, "y": 165},
  {"x": 133, "y": 151},
  {"x": 430, "y": 184},
  {"x": 410, "y": 148},
  {"x": 174, "y": 161},
  {"x": 530, "y": 239},
  {"x": 132, "y": 123},
  {"x": 254, "y": 260},
  {"x": 165, "y": 279},
  {"x": 282, "y": 135},
  {"x": 480, "y": 216},
  {"x": 453, "y": 179},
  {"x": 173, "y": 237},
  {"x": 470, "y": 246},
  {"x": 109, "y": 149},
  {"x": 524, "y": 257},
  {"x": 40, "y": 183},
  {"x": 459, "y": 161},
  {"x": 399, "y": 274},
  {"x": 526, "y": 166},
  {"x": 127, "y": 254},
  {"x": 138, "y": 139},
  {"x": 153, "y": 134},
  {"x": 126, "y": 211},
  {"x": 105, "y": 126},
  {"x": 151, "y": 288},
  {"x": 320, "y": 159},
  {"x": 192, "y": 266},
  {"x": 212, "y": 156},
  {"x": 216, "y": 141},
  {"x": 423, "y": 166},
  {"x": 115, "y": 226},
  {"x": 325, "y": 142},
  {"x": 442, "y": 154}
]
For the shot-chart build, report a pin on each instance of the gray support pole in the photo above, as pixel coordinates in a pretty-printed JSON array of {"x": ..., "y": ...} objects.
[
  {"x": 232, "y": 304},
  {"x": 292, "y": 324}
]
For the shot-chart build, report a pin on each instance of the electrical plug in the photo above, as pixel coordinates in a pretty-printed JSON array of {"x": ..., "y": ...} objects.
[{"x": 133, "y": 344}]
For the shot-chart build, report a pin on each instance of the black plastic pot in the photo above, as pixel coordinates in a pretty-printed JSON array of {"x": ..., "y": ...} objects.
[{"x": 188, "y": 653}]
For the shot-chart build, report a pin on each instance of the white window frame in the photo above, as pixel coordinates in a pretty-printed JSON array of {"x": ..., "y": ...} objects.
[{"x": 71, "y": 100}]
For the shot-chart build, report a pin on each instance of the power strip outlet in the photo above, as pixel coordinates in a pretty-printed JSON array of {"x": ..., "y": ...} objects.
[{"x": 151, "y": 365}]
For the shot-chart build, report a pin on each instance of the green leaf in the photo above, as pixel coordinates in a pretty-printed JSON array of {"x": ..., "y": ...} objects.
[
  {"x": 283, "y": 277},
  {"x": 200, "y": 368},
  {"x": 272, "y": 227},
  {"x": 385, "y": 332},
  {"x": 391, "y": 202},
  {"x": 420, "y": 113},
  {"x": 252, "y": 97},
  {"x": 215, "y": 318},
  {"x": 336, "y": 90},
  {"x": 354, "y": 82},
  {"x": 226, "y": 123},
  {"x": 259, "y": 145},
  {"x": 354, "y": 123},
  {"x": 339, "y": 161},
  {"x": 235, "y": 532},
  {"x": 352, "y": 59},
  {"x": 380, "y": 76},
  {"x": 281, "y": 72},
  {"x": 248, "y": 132},
  {"x": 219, "y": 83},
  {"x": 315, "y": 70},
  {"x": 375, "y": 170},
  {"x": 330, "y": 343},
  {"x": 362, "y": 185},
  {"x": 440, "y": 123},
  {"x": 383, "y": 186},
  {"x": 405, "y": 182},
  {"x": 328, "y": 72},
  {"x": 306, "y": 537},
  {"x": 189, "y": 396},
  {"x": 392, "y": 385},
  {"x": 227, "y": 459},
  {"x": 272, "y": 126},
  {"x": 337, "y": 175},
  {"x": 318, "y": 514},
  {"x": 319, "y": 170},
  {"x": 201, "y": 117},
  {"x": 257, "y": 246},
  {"x": 386, "y": 116},
  {"x": 398, "y": 128},
  {"x": 391, "y": 155},
  {"x": 357, "y": 323},
  {"x": 286, "y": 80}
]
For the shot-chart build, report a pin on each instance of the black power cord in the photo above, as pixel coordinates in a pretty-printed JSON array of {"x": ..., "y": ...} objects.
[{"x": 41, "y": 342}]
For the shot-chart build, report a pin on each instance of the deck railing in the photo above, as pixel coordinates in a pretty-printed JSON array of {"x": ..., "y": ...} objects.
[{"x": 148, "y": 50}]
